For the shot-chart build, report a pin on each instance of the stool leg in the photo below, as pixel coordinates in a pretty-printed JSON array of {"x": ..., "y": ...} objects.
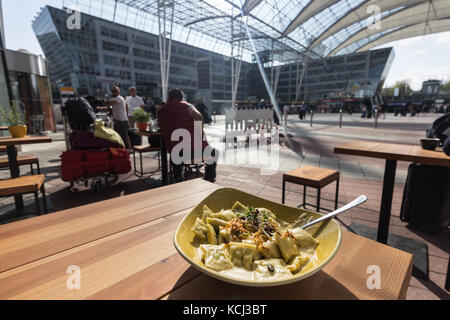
[
  {"x": 36, "y": 201},
  {"x": 318, "y": 199},
  {"x": 31, "y": 169},
  {"x": 447, "y": 279},
  {"x": 304, "y": 196},
  {"x": 142, "y": 166},
  {"x": 159, "y": 160},
  {"x": 134, "y": 162},
  {"x": 284, "y": 189},
  {"x": 337, "y": 195},
  {"x": 44, "y": 198}
]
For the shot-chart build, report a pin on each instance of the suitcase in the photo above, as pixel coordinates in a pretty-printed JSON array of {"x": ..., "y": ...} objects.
[{"x": 426, "y": 198}]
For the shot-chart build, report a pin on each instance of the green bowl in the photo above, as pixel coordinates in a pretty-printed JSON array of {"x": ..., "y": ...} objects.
[{"x": 329, "y": 235}]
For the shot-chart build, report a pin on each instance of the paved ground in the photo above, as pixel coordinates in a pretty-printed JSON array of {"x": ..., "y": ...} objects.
[{"x": 305, "y": 145}]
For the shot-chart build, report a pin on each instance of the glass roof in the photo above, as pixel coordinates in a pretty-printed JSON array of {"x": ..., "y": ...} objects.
[{"x": 289, "y": 28}]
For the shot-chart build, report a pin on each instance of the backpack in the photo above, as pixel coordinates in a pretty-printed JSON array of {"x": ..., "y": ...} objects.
[
  {"x": 440, "y": 128},
  {"x": 79, "y": 113}
]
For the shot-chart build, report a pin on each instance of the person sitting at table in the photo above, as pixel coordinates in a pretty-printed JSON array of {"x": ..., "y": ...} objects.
[{"x": 178, "y": 114}]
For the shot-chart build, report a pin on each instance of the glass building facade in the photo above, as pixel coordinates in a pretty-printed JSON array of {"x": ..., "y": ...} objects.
[{"x": 101, "y": 53}]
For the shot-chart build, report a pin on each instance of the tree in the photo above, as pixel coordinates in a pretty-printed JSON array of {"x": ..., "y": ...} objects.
[
  {"x": 445, "y": 87},
  {"x": 404, "y": 87}
]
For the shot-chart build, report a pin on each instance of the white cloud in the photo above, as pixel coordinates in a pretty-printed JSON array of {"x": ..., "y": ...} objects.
[
  {"x": 443, "y": 38},
  {"x": 418, "y": 75},
  {"x": 421, "y": 52}
]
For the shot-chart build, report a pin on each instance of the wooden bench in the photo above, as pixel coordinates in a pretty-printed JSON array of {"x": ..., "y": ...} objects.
[
  {"x": 22, "y": 160},
  {"x": 24, "y": 185},
  {"x": 312, "y": 177},
  {"x": 141, "y": 150}
]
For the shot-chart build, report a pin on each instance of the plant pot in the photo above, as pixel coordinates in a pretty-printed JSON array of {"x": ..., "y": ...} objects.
[
  {"x": 17, "y": 131},
  {"x": 142, "y": 126}
]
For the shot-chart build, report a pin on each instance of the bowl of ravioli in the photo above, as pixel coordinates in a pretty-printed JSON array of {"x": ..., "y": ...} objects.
[{"x": 246, "y": 240}]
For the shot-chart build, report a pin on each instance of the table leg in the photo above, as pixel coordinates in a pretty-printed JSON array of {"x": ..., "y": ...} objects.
[
  {"x": 164, "y": 167},
  {"x": 15, "y": 172},
  {"x": 386, "y": 200}
]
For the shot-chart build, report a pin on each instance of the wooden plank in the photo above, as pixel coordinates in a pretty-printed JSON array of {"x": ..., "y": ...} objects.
[
  {"x": 39, "y": 237},
  {"x": 345, "y": 277},
  {"x": 5, "y": 141},
  {"x": 139, "y": 263},
  {"x": 391, "y": 151}
]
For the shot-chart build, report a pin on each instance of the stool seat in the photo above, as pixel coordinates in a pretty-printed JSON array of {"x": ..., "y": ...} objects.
[
  {"x": 311, "y": 176},
  {"x": 146, "y": 148},
  {"x": 25, "y": 184}
]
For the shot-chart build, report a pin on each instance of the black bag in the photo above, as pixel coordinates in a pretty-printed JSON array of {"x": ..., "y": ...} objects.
[
  {"x": 426, "y": 198},
  {"x": 136, "y": 140},
  {"x": 79, "y": 113},
  {"x": 154, "y": 140},
  {"x": 439, "y": 128}
]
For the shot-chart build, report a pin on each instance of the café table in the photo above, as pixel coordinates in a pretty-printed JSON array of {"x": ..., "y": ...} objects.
[
  {"x": 123, "y": 248},
  {"x": 164, "y": 165},
  {"x": 392, "y": 152},
  {"x": 11, "y": 144}
]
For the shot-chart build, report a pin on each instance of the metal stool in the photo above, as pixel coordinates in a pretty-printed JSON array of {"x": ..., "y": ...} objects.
[
  {"x": 142, "y": 149},
  {"x": 315, "y": 178}
]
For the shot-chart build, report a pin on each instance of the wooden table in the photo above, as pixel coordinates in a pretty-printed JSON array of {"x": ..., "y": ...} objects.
[
  {"x": 124, "y": 250},
  {"x": 164, "y": 165},
  {"x": 11, "y": 144},
  {"x": 391, "y": 153}
]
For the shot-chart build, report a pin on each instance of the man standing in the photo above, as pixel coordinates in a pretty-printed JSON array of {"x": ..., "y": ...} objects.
[
  {"x": 133, "y": 102},
  {"x": 120, "y": 115}
]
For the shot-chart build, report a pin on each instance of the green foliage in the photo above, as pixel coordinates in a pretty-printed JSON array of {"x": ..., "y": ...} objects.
[
  {"x": 445, "y": 87},
  {"x": 404, "y": 87},
  {"x": 13, "y": 117},
  {"x": 141, "y": 116}
]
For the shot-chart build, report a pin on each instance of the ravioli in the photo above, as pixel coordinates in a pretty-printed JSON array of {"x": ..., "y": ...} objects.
[
  {"x": 199, "y": 229},
  {"x": 269, "y": 250},
  {"x": 297, "y": 263},
  {"x": 217, "y": 222},
  {"x": 224, "y": 235},
  {"x": 216, "y": 257},
  {"x": 287, "y": 245},
  {"x": 211, "y": 234},
  {"x": 238, "y": 207},
  {"x": 226, "y": 215},
  {"x": 242, "y": 254},
  {"x": 277, "y": 269},
  {"x": 304, "y": 239}
]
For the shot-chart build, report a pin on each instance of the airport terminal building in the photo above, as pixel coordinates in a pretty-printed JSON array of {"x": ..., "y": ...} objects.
[{"x": 101, "y": 53}]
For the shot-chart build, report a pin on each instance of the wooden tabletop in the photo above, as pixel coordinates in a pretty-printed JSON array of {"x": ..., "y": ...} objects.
[
  {"x": 124, "y": 249},
  {"x": 393, "y": 151},
  {"x": 6, "y": 141},
  {"x": 3, "y": 128}
]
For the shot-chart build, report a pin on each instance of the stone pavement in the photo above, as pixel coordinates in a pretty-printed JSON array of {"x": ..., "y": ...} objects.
[{"x": 305, "y": 146}]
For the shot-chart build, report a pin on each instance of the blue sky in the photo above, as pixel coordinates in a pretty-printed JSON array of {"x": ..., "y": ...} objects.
[{"x": 417, "y": 59}]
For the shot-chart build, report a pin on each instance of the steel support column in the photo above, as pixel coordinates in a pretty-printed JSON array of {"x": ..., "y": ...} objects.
[{"x": 166, "y": 9}]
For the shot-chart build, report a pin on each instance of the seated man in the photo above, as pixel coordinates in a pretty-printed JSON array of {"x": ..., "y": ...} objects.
[{"x": 178, "y": 114}]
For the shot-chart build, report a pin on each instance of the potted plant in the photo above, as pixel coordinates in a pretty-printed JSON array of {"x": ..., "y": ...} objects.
[
  {"x": 142, "y": 118},
  {"x": 15, "y": 121}
]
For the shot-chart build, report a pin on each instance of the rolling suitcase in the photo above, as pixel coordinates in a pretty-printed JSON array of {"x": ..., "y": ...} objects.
[{"x": 426, "y": 198}]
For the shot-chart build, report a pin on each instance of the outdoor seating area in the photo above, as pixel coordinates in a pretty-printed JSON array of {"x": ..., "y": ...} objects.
[
  {"x": 225, "y": 158},
  {"x": 148, "y": 206}
]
